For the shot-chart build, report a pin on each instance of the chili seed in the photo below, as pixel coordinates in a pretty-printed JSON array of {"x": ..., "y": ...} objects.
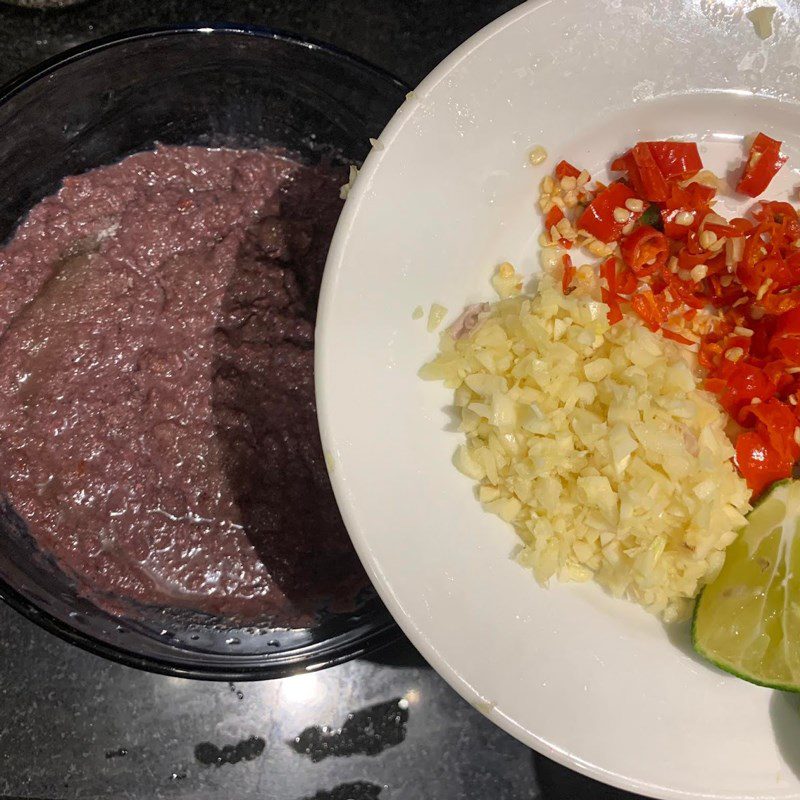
[
  {"x": 537, "y": 155},
  {"x": 684, "y": 218},
  {"x": 707, "y": 238},
  {"x": 734, "y": 353},
  {"x": 621, "y": 214},
  {"x": 699, "y": 271},
  {"x": 634, "y": 204},
  {"x": 505, "y": 270},
  {"x": 764, "y": 288}
]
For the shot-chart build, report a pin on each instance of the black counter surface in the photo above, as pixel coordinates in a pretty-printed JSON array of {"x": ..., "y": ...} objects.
[{"x": 73, "y": 725}]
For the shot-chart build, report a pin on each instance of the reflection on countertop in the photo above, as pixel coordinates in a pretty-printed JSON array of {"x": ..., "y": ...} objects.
[{"x": 75, "y": 725}]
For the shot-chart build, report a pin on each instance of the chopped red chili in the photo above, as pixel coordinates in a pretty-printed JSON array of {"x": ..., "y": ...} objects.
[
  {"x": 565, "y": 170},
  {"x": 727, "y": 288},
  {"x": 762, "y": 165},
  {"x": 598, "y": 218}
]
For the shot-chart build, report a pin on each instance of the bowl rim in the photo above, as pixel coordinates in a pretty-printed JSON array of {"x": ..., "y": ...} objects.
[
  {"x": 43, "y": 68},
  {"x": 279, "y": 664}
]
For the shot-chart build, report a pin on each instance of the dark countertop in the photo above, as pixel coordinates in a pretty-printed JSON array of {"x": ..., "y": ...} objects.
[{"x": 76, "y": 726}]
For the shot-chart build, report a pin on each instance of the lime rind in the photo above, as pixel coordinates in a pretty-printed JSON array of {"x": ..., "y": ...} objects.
[
  {"x": 730, "y": 668},
  {"x": 747, "y": 622}
]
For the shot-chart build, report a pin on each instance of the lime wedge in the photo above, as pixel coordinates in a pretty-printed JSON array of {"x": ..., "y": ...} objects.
[{"x": 748, "y": 620}]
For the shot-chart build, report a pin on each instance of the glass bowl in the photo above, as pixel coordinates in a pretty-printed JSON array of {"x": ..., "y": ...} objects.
[{"x": 213, "y": 86}]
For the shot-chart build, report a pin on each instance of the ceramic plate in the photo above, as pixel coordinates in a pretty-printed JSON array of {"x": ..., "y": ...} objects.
[{"x": 594, "y": 683}]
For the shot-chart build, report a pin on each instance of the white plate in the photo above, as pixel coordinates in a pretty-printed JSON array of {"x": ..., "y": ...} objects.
[{"x": 591, "y": 682}]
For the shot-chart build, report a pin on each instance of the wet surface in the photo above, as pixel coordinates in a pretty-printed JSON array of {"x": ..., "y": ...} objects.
[
  {"x": 68, "y": 716},
  {"x": 63, "y": 710},
  {"x": 212, "y": 756},
  {"x": 358, "y": 790},
  {"x": 368, "y": 732}
]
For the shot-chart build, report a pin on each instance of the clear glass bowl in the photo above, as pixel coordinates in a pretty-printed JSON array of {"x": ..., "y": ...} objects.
[{"x": 215, "y": 86}]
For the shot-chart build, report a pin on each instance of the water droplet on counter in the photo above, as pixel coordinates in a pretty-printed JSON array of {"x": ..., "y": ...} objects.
[
  {"x": 369, "y": 731},
  {"x": 245, "y": 750},
  {"x": 355, "y": 790},
  {"x": 237, "y": 692}
]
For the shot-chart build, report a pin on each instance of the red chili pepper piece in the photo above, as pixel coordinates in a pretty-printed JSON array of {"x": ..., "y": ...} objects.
[
  {"x": 779, "y": 303},
  {"x": 565, "y": 170},
  {"x": 759, "y": 463},
  {"x": 676, "y": 337},
  {"x": 694, "y": 199},
  {"x": 598, "y": 217},
  {"x": 788, "y": 324},
  {"x": 568, "y": 274},
  {"x": 785, "y": 340},
  {"x": 762, "y": 165},
  {"x": 612, "y": 301},
  {"x": 645, "y": 305},
  {"x": 645, "y": 250},
  {"x": 554, "y": 216},
  {"x": 745, "y": 382},
  {"x": 608, "y": 270},
  {"x": 715, "y": 385},
  {"x": 653, "y": 182},
  {"x": 627, "y": 164},
  {"x": 776, "y": 424},
  {"x": 676, "y": 159}
]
